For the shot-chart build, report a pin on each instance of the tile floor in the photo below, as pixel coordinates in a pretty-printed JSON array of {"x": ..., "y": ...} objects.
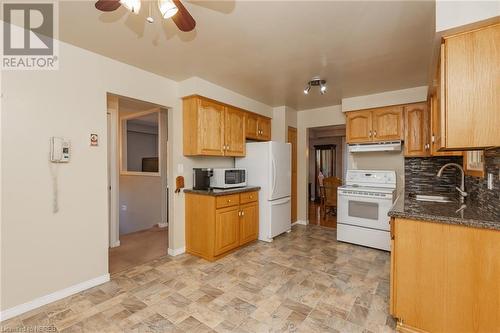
[
  {"x": 304, "y": 281},
  {"x": 138, "y": 248}
]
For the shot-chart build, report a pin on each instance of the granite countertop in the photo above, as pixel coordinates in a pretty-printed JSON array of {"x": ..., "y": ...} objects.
[
  {"x": 406, "y": 206},
  {"x": 219, "y": 192}
]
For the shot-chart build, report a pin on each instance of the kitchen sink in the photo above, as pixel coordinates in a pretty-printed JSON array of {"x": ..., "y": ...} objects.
[{"x": 432, "y": 198}]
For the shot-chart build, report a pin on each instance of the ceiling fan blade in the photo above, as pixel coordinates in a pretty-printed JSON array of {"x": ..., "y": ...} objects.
[
  {"x": 107, "y": 5},
  {"x": 183, "y": 20}
]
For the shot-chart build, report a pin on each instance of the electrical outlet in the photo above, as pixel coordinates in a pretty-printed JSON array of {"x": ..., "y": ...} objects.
[{"x": 124, "y": 207}]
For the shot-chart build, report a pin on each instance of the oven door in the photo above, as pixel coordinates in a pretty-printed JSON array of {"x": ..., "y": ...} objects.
[{"x": 368, "y": 212}]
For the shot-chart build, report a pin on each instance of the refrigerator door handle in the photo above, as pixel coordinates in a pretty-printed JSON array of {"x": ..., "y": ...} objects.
[
  {"x": 274, "y": 176},
  {"x": 280, "y": 201}
]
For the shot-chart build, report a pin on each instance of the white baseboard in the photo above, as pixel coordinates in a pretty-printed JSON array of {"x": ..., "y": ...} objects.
[
  {"x": 115, "y": 244},
  {"x": 301, "y": 222},
  {"x": 163, "y": 225},
  {"x": 176, "y": 252},
  {"x": 55, "y": 296}
]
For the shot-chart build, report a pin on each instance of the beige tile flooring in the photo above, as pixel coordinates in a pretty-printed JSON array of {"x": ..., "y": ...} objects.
[{"x": 304, "y": 281}]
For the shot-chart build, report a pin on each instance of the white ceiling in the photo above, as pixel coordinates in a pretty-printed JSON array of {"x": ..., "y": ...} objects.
[{"x": 269, "y": 50}]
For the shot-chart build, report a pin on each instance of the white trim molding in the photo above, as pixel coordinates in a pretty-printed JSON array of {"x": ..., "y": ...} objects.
[
  {"x": 115, "y": 244},
  {"x": 176, "y": 252},
  {"x": 163, "y": 225},
  {"x": 301, "y": 222},
  {"x": 55, "y": 296}
]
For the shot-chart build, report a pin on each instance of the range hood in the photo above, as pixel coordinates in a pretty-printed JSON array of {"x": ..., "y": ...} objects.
[{"x": 375, "y": 146}]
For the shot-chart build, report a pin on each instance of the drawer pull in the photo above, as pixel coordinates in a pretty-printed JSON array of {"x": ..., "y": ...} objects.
[{"x": 228, "y": 200}]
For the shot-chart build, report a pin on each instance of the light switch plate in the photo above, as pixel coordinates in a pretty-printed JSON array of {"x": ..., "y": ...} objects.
[{"x": 180, "y": 169}]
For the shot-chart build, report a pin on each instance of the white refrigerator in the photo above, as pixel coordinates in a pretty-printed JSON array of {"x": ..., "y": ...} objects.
[{"x": 268, "y": 165}]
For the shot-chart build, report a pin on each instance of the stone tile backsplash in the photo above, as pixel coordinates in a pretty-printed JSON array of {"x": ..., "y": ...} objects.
[{"x": 420, "y": 177}]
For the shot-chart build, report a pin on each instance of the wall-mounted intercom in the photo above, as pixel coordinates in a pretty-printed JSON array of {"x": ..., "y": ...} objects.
[{"x": 60, "y": 149}]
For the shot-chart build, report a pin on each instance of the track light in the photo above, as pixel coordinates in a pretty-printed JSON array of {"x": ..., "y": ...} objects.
[
  {"x": 306, "y": 90},
  {"x": 322, "y": 88},
  {"x": 316, "y": 81}
]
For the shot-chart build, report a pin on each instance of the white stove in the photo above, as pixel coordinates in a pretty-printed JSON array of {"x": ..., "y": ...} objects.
[{"x": 363, "y": 204}]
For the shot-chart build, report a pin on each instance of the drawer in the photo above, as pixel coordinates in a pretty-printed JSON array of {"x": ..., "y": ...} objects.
[
  {"x": 249, "y": 197},
  {"x": 227, "y": 201}
]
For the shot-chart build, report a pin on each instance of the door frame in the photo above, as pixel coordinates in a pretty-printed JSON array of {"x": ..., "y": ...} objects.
[
  {"x": 113, "y": 133},
  {"x": 294, "y": 203}
]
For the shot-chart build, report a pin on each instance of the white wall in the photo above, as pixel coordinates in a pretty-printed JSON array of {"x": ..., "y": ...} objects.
[
  {"x": 326, "y": 116},
  {"x": 43, "y": 252},
  {"x": 394, "y": 97},
  {"x": 279, "y": 129},
  {"x": 141, "y": 195},
  {"x": 453, "y": 14}
]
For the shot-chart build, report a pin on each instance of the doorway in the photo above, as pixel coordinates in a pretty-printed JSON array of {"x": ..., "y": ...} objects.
[
  {"x": 137, "y": 146},
  {"x": 327, "y": 147},
  {"x": 292, "y": 139}
]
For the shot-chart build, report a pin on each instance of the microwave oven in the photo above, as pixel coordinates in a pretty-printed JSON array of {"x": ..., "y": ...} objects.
[{"x": 228, "y": 178}]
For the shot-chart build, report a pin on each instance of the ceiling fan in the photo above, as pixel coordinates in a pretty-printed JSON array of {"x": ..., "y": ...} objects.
[{"x": 168, "y": 9}]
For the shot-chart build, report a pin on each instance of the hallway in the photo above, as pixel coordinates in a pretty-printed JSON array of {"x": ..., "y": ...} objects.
[
  {"x": 138, "y": 248},
  {"x": 316, "y": 218}
]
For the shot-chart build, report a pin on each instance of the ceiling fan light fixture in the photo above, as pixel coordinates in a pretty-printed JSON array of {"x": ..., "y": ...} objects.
[
  {"x": 167, "y": 8},
  {"x": 132, "y": 5}
]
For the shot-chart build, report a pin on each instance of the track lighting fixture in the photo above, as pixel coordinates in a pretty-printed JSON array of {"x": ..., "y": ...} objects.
[
  {"x": 316, "y": 81},
  {"x": 306, "y": 90}
]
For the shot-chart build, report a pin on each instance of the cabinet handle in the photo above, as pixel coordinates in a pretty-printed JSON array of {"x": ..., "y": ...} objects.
[
  {"x": 370, "y": 133},
  {"x": 228, "y": 200},
  {"x": 239, "y": 213},
  {"x": 433, "y": 138},
  {"x": 251, "y": 197},
  {"x": 228, "y": 147},
  {"x": 242, "y": 213},
  {"x": 374, "y": 133}
]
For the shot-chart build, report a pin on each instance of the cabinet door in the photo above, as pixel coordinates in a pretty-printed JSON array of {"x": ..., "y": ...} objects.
[
  {"x": 435, "y": 127},
  {"x": 234, "y": 129},
  {"x": 359, "y": 126},
  {"x": 252, "y": 126},
  {"x": 471, "y": 83},
  {"x": 249, "y": 223},
  {"x": 388, "y": 123},
  {"x": 264, "y": 129},
  {"x": 416, "y": 130},
  {"x": 210, "y": 128},
  {"x": 227, "y": 229}
]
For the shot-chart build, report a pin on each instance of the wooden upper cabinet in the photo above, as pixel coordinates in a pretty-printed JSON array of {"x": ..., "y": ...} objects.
[
  {"x": 265, "y": 128},
  {"x": 252, "y": 126},
  {"x": 234, "y": 129},
  {"x": 203, "y": 125},
  {"x": 212, "y": 128},
  {"x": 435, "y": 127},
  {"x": 387, "y": 124},
  {"x": 258, "y": 127},
  {"x": 359, "y": 126},
  {"x": 470, "y": 90},
  {"x": 417, "y": 140}
]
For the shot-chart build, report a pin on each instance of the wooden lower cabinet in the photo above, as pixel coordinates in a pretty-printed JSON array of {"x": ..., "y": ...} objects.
[
  {"x": 444, "y": 278},
  {"x": 216, "y": 225}
]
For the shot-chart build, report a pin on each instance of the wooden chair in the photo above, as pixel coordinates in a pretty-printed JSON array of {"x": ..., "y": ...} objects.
[{"x": 328, "y": 194}]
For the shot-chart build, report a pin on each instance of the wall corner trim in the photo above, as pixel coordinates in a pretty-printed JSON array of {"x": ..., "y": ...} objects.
[
  {"x": 52, "y": 297},
  {"x": 301, "y": 222},
  {"x": 176, "y": 252}
]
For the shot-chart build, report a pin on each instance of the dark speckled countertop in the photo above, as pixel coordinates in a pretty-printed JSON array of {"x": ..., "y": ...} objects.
[
  {"x": 406, "y": 206},
  {"x": 217, "y": 192}
]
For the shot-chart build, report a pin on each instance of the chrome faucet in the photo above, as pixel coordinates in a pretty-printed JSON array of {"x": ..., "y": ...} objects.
[{"x": 460, "y": 190}]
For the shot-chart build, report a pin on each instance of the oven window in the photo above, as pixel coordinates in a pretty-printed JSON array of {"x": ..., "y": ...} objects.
[{"x": 363, "y": 209}]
